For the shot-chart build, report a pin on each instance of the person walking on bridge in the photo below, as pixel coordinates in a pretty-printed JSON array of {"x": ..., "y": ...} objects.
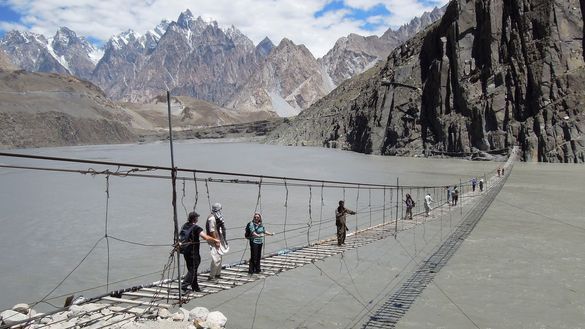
[
  {"x": 256, "y": 236},
  {"x": 428, "y": 201},
  {"x": 455, "y": 195},
  {"x": 191, "y": 232},
  {"x": 215, "y": 227},
  {"x": 409, "y": 205},
  {"x": 340, "y": 222}
]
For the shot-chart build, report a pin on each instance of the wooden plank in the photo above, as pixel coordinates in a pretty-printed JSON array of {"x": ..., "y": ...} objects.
[
  {"x": 152, "y": 296},
  {"x": 276, "y": 262},
  {"x": 294, "y": 259},
  {"x": 240, "y": 277},
  {"x": 134, "y": 302}
]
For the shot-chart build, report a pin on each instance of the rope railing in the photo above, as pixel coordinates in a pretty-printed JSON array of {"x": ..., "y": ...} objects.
[{"x": 142, "y": 167}]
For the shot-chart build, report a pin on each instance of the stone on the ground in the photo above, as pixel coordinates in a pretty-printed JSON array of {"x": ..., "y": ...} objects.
[
  {"x": 198, "y": 314},
  {"x": 76, "y": 311},
  {"x": 178, "y": 316},
  {"x": 163, "y": 313},
  {"x": 21, "y": 308},
  {"x": 10, "y": 317},
  {"x": 216, "y": 320}
]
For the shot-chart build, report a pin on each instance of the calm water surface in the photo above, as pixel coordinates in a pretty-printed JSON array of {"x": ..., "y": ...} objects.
[{"x": 50, "y": 221}]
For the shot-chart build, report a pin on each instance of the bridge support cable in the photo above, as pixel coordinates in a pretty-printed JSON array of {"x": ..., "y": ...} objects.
[{"x": 196, "y": 190}]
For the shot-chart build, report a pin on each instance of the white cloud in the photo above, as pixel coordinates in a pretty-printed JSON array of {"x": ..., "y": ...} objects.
[
  {"x": 363, "y": 4},
  {"x": 256, "y": 18},
  {"x": 7, "y": 26}
]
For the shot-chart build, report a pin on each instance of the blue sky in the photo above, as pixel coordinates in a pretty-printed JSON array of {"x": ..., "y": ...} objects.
[{"x": 315, "y": 23}]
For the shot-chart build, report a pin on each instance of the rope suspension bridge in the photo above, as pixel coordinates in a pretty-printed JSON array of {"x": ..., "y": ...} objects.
[{"x": 287, "y": 254}]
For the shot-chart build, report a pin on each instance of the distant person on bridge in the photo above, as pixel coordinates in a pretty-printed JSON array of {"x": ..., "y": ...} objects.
[
  {"x": 256, "y": 236},
  {"x": 190, "y": 250},
  {"x": 340, "y": 222},
  {"x": 473, "y": 183},
  {"x": 455, "y": 195},
  {"x": 481, "y": 185},
  {"x": 215, "y": 228},
  {"x": 428, "y": 201},
  {"x": 409, "y": 205},
  {"x": 449, "y": 195}
]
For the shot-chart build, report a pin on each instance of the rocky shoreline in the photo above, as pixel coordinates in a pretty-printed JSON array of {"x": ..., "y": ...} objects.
[{"x": 98, "y": 315}]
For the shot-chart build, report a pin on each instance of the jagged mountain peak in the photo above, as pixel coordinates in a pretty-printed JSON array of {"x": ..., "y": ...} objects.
[
  {"x": 187, "y": 21},
  {"x": 64, "y": 31},
  {"x": 15, "y": 36},
  {"x": 185, "y": 18},
  {"x": 160, "y": 29},
  {"x": 265, "y": 47}
]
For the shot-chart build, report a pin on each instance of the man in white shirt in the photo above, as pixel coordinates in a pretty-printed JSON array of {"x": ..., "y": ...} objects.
[
  {"x": 428, "y": 200},
  {"x": 215, "y": 228}
]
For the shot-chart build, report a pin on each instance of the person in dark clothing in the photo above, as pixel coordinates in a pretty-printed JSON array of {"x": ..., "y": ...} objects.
[
  {"x": 340, "y": 222},
  {"x": 256, "y": 238},
  {"x": 409, "y": 205},
  {"x": 191, "y": 253}
]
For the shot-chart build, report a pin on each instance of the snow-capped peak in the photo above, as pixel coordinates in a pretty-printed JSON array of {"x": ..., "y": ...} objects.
[
  {"x": 185, "y": 17},
  {"x": 160, "y": 29},
  {"x": 64, "y": 36}
]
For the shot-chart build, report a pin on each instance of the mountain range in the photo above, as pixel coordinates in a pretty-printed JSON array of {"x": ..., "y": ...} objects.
[{"x": 198, "y": 58}]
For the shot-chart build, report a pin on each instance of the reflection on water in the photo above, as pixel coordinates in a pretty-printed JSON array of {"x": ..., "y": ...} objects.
[{"x": 50, "y": 221}]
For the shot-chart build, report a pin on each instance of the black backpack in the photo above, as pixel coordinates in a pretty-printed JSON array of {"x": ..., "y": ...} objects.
[
  {"x": 248, "y": 231},
  {"x": 185, "y": 238}
]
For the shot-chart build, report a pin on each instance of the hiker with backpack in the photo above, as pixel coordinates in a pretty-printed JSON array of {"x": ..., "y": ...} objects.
[
  {"x": 340, "y": 222},
  {"x": 255, "y": 232},
  {"x": 189, "y": 246},
  {"x": 215, "y": 227}
]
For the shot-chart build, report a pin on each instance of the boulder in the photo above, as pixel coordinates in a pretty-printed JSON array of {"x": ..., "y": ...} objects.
[
  {"x": 21, "y": 308},
  {"x": 216, "y": 320},
  {"x": 10, "y": 317},
  {"x": 198, "y": 314}
]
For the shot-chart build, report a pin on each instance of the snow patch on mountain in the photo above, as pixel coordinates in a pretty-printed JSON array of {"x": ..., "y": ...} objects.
[{"x": 281, "y": 106}]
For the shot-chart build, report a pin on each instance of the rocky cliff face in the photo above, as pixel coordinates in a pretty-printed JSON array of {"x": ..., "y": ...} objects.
[
  {"x": 289, "y": 81},
  {"x": 489, "y": 75},
  {"x": 354, "y": 54}
]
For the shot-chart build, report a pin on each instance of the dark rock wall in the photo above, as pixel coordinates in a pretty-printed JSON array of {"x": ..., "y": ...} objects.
[{"x": 489, "y": 75}]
